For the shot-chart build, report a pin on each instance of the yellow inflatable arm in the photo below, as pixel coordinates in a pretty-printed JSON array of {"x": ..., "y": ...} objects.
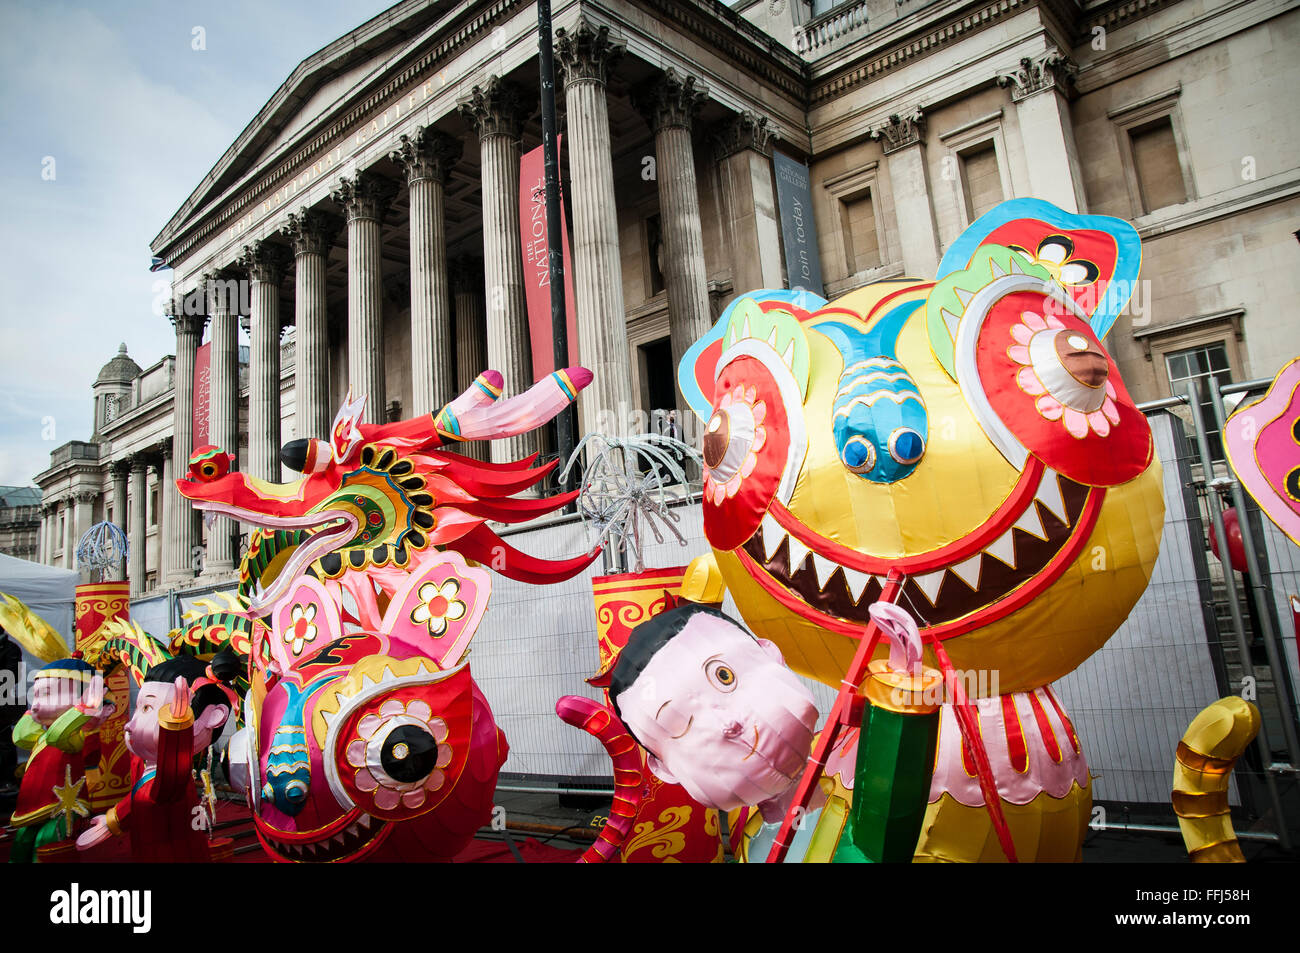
[{"x": 1206, "y": 755}]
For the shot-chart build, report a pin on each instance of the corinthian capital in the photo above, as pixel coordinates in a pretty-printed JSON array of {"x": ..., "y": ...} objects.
[
  {"x": 364, "y": 196},
  {"x": 745, "y": 131},
  {"x": 428, "y": 154},
  {"x": 264, "y": 261},
  {"x": 902, "y": 130},
  {"x": 587, "y": 52},
  {"x": 494, "y": 108},
  {"x": 671, "y": 100},
  {"x": 310, "y": 232},
  {"x": 1050, "y": 69}
]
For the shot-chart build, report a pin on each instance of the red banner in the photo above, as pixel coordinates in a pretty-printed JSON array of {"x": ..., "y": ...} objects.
[
  {"x": 202, "y": 395},
  {"x": 537, "y": 278}
]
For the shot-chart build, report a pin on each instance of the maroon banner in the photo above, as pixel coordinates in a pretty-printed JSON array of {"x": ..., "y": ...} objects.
[
  {"x": 202, "y": 395},
  {"x": 537, "y": 278}
]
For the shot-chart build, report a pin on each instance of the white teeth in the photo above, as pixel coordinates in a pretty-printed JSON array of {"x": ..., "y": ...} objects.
[
  {"x": 772, "y": 536},
  {"x": 996, "y": 269},
  {"x": 1049, "y": 494},
  {"x": 951, "y": 320},
  {"x": 788, "y": 354},
  {"x": 798, "y": 552},
  {"x": 1015, "y": 267},
  {"x": 329, "y": 716},
  {"x": 857, "y": 582},
  {"x": 387, "y": 675},
  {"x": 1030, "y": 522},
  {"x": 364, "y": 821},
  {"x": 1004, "y": 549},
  {"x": 930, "y": 583},
  {"x": 823, "y": 567},
  {"x": 367, "y": 681},
  {"x": 338, "y": 839},
  {"x": 968, "y": 570},
  {"x": 744, "y": 331},
  {"x": 963, "y": 295},
  {"x": 771, "y": 337}
]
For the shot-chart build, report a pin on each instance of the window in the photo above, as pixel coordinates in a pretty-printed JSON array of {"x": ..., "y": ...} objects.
[
  {"x": 981, "y": 181},
  {"x": 861, "y": 241},
  {"x": 153, "y": 507},
  {"x": 1157, "y": 165},
  {"x": 1199, "y": 365},
  {"x": 658, "y": 383},
  {"x": 1155, "y": 160}
]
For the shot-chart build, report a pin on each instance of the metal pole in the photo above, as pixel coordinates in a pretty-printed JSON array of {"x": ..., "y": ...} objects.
[
  {"x": 554, "y": 254},
  {"x": 1276, "y": 657},
  {"x": 1248, "y": 669}
]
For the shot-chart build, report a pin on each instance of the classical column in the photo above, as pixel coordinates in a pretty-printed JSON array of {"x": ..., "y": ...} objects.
[
  {"x": 85, "y": 518},
  {"x": 311, "y": 234},
  {"x": 428, "y": 157},
  {"x": 495, "y": 112},
  {"x": 223, "y": 403},
  {"x": 669, "y": 105},
  {"x": 69, "y": 532},
  {"x": 584, "y": 56},
  {"x": 48, "y": 518},
  {"x": 265, "y": 264},
  {"x": 742, "y": 148},
  {"x": 471, "y": 332},
  {"x": 184, "y": 531},
  {"x": 121, "y": 473},
  {"x": 137, "y": 527},
  {"x": 166, "y": 538},
  {"x": 902, "y": 138},
  {"x": 365, "y": 198},
  {"x": 1039, "y": 88}
]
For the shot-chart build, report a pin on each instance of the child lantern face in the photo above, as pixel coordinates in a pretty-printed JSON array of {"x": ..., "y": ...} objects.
[
  {"x": 142, "y": 730},
  {"x": 720, "y": 714}
]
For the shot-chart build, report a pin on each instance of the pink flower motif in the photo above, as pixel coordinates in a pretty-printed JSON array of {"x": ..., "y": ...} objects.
[
  {"x": 363, "y": 753},
  {"x": 1078, "y": 422}
]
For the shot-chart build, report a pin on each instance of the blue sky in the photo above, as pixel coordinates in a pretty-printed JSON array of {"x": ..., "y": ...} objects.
[{"x": 133, "y": 117}]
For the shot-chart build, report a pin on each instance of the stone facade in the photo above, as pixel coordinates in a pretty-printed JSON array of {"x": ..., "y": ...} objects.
[{"x": 351, "y": 214}]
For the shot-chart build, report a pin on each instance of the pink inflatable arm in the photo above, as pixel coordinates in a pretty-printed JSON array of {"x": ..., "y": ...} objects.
[
  {"x": 476, "y": 414},
  {"x": 601, "y": 723}
]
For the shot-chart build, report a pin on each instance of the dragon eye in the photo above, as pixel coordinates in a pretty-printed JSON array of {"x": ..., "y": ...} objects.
[
  {"x": 207, "y": 464},
  {"x": 732, "y": 432},
  {"x": 408, "y": 753}
]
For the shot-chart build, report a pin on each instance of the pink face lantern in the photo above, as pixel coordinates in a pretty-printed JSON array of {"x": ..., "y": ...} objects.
[
  {"x": 720, "y": 714},
  {"x": 141, "y": 731}
]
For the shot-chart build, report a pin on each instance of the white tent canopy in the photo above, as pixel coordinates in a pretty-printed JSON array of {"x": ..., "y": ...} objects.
[{"x": 49, "y": 592}]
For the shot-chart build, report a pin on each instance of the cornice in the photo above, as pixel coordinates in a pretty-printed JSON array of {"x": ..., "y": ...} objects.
[{"x": 177, "y": 239}]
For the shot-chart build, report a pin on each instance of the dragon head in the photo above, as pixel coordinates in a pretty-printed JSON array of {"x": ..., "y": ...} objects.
[
  {"x": 370, "y": 742},
  {"x": 378, "y": 495},
  {"x": 971, "y": 432}
]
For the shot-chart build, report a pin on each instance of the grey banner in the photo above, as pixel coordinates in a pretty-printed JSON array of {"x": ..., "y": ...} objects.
[{"x": 798, "y": 233}]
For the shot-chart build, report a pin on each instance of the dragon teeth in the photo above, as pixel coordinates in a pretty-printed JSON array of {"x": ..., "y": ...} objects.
[
  {"x": 968, "y": 571},
  {"x": 823, "y": 568},
  {"x": 1031, "y": 523},
  {"x": 1049, "y": 494},
  {"x": 929, "y": 584},
  {"x": 798, "y": 553},
  {"x": 772, "y": 536},
  {"x": 856, "y": 581},
  {"x": 1003, "y": 549}
]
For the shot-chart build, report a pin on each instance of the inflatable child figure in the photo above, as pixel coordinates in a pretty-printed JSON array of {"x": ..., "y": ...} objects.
[
  {"x": 67, "y": 705},
  {"x": 180, "y": 708},
  {"x": 719, "y": 713},
  {"x": 972, "y": 434}
]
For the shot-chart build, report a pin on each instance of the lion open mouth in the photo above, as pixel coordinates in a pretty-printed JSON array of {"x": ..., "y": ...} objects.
[{"x": 1022, "y": 548}]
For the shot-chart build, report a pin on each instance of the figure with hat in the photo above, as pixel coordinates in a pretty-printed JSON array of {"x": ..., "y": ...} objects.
[{"x": 67, "y": 705}]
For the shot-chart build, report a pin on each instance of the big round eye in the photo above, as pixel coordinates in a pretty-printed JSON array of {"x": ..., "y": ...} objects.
[
  {"x": 732, "y": 432},
  {"x": 408, "y": 753},
  {"x": 721, "y": 675},
  {"x": 207, "y": 464}
]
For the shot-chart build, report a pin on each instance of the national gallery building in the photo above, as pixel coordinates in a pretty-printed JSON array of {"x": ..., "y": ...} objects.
[{"x": 372, "y": 232}]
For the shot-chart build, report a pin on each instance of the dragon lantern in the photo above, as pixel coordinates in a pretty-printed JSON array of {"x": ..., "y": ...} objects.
[{"x": 364, "y": 735}]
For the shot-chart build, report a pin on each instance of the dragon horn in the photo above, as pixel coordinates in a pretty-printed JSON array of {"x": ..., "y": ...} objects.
[{"x": 469, "y": 417}]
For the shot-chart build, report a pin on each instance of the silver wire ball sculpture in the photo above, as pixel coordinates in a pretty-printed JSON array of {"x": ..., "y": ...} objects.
[
  {"x": 630, "y": 480},
  {"x": 103, "y": 546}
]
